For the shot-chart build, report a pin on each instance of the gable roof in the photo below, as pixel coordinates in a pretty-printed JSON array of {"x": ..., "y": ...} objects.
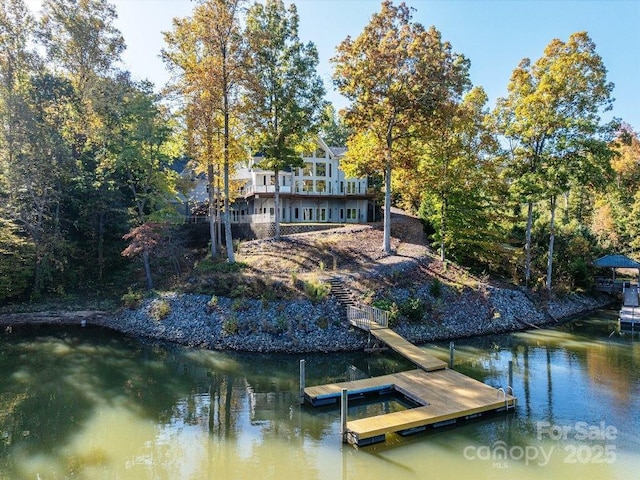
[{"x": 616, "y": 261}]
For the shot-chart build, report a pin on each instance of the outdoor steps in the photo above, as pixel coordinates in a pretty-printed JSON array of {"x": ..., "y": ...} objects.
[{"x": 340, "y": 293}]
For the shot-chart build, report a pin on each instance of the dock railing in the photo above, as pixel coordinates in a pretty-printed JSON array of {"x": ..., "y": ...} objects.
[{"x": 364, "y": 316}]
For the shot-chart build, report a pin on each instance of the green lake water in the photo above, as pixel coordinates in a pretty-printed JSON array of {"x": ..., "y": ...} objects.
[{"x": 90, "y": 404}]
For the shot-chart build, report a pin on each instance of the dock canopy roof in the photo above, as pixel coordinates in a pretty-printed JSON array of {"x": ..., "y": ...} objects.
[{"x": 616, "y": 261}]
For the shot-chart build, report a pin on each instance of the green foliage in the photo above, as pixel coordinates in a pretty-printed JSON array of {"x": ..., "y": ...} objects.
[
  {"x": 230, "y": 325},
  {"x": 160, "y": 309},
  {"x": 390, "y": 307},
  {"x": 435, "y": 288},
  {"x": 209, "y": 265},
  {"x": 316, "y": 290},
  {"x": 132, "y": 300},
  {"x": 413, "y": 309}
]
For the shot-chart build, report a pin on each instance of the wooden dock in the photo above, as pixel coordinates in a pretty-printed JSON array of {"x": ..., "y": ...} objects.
[
  {"x": 408, "y": 350},
  {"x": 443, "y": 395}
]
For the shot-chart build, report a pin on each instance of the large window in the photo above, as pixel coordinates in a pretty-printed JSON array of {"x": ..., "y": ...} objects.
[
  {"x": 307, "y": 185},
  {"x": 352, "y": 214},
  {"x": 321, "y": 215},
  {"x": 307, "y": 171},
  {"x": 321, "y": 186},
  {"x": 351, "y": 187},
  {"x": 320, "y": 153},
  {"x": 321, "y": 169}
]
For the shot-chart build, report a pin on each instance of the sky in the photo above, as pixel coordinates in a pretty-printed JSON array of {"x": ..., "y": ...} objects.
[{"x": 493, "y": 34}]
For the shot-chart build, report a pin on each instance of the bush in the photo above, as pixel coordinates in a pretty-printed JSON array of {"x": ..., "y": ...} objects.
[
  {"x": 316, "y": 290},
  {"x": 132, "y": 300},
  {"x": 435, "y": 288},
  {"x": 230, "y": 325},
  {"x": 413, "y": 309},
  {"x": 160, "y": 309}
]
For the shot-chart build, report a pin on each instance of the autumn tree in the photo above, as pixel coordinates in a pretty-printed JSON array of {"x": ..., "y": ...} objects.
[
  {"x": 396, "y": 74},
  {"x": 282, "y": 90},
  {"x": 204, "y": 52},
  {"x": 551, "y": 117}
]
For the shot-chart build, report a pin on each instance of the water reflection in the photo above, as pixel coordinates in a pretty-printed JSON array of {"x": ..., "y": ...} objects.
[{"x": 90, "y": 404}]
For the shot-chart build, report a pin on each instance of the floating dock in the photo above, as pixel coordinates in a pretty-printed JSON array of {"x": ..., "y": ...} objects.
[{"x": 442, "y": 395}]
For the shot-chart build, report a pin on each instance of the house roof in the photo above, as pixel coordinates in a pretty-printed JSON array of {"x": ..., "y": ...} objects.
[{"x": 616, "y": 261}]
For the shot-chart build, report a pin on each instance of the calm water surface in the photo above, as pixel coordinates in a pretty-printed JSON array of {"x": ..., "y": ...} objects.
[{"x": 89, "y": 404}]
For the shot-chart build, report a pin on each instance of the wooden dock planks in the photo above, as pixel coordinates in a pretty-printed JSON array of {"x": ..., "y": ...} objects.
[
  {"x": 443, "y": 395},
  {"x": 408, "y": 350}
]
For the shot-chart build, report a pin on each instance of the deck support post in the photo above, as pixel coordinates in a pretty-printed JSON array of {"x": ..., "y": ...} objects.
[
  {"x": 510, "y": 384},
  {"x": 451, "y": 354},
  {"x": 344, "y": 407},
  {"x": 302, "y": 382}
]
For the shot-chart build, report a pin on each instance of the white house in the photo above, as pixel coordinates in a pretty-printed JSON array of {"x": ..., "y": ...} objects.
[{"x": 317, "y": 193}]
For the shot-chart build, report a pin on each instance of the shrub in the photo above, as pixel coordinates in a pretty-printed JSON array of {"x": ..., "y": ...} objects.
[
  {"x": 230, "y": 325},
  {"x": 160, "y": 309},
  {"x": 413, "y": 309},
  {"x": 132, "y": 300},
  {"x": 316, "y": 290},
  {"x": 435, "y": 288}
]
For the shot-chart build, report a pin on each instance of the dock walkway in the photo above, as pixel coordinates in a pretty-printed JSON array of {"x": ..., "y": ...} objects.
[{"x": 443, "y": 395}]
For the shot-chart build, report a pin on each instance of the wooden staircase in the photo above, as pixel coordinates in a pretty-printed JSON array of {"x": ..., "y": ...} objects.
[{"x": 340, "y": 293}]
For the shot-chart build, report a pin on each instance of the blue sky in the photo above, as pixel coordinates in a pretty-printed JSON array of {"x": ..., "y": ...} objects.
[{"x": 494, "y": 34}]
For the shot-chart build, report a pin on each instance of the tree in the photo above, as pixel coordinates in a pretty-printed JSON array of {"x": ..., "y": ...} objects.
[
  {"x": 283, "y": 92},
  {"x": 79, "y": 36},
  {"x": 458, "y": 166},
  {"x": 551, "y": 119},
  {"x": 136, "y": 157},
  {"x": 333, "y": 129},
  {"x": 396, "y": 74},
  {"x": 205, "y": 52}
]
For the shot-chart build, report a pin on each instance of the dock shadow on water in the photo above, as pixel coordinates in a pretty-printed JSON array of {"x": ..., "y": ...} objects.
[{"x": 87, "y": 403}]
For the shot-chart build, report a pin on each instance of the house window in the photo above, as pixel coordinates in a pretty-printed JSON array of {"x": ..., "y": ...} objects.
[
  {"x": 296, "y": 213},
  {"x": 342, "y": 214},
  {"x": 341, "y": 187},
  {"x": 352, "y": 213},
  {"x": 307, "y": 214},
  {"x": 307, "y": 171},
  {"x": 321, "y": 215},
  {"x": 321, "y": 169},
  {"x": 351, "y": 187},
  {"x": 321, "y": 186},
  {"x": 271, "y": 211},
  {"x": 307, "y": 185},
  {"x": 330, "y": 213},
  {"x": 320, "y": 153},
  {"x": 330, "y": 170}
]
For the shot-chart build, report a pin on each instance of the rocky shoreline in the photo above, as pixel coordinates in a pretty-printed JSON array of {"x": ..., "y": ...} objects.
[{"x": 302, "y": 326}]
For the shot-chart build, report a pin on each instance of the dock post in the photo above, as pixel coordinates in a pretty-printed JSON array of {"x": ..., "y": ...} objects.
[
  {"x": 451, "y": 353},
  {"x": 302, "y": 381},
  {"x": 511, "y": 376},
  {"x": 344, "y": 407}
]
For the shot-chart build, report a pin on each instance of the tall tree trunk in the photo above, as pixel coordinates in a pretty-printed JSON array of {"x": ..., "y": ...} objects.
[
  {"x": 527, "y": 245},
  {"x": 386, "y": 242},
  {"x": 552, "y": 237},
  {"x": 147, "y": 269},
  {"x": 101, "y": 229},
  {"x": 212, "y": 210},
  {"x": 218, "y": 213},
  {"x": 276, "y": 203},
  {"x": 228, "y": 238},
  {"x": 443, "y": 228}
]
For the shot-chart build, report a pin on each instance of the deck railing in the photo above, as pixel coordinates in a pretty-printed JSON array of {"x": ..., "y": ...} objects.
[{"x": 364, "y": 316}]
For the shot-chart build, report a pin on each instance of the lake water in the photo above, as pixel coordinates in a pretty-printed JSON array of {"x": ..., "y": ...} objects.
[{"x": 90, "y": 404}]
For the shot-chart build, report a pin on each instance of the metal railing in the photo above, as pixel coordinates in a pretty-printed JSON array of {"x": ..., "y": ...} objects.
[{"x": 364, "y": 316}]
